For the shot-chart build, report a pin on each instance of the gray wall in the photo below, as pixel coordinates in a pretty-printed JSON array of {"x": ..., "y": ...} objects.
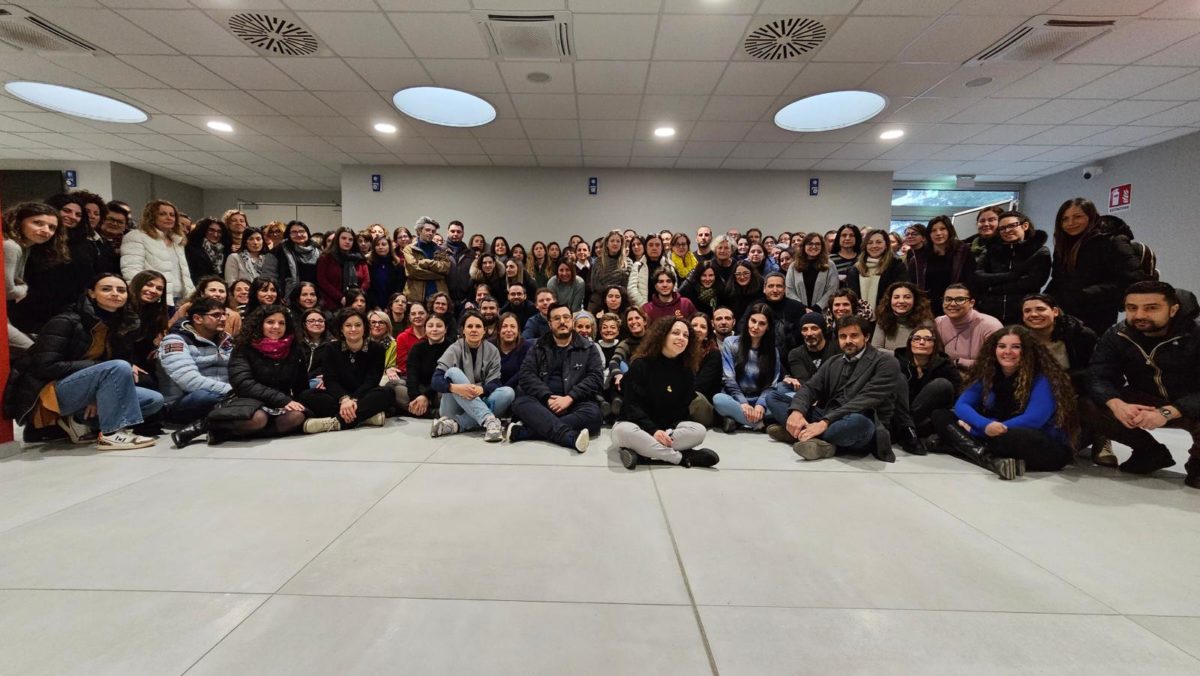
[
  {"x": 137, "y": 187},
  {"x": 217, "y": 201},
  {"x": 1165, "y": 205},
  {"x": 530, "y": 204},
  {"x": 93, "y": 176}
]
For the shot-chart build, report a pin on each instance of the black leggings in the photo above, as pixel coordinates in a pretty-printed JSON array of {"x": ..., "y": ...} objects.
[
  {"x": 325, "y": 405},
  {"x": 1040, "y": 452}
]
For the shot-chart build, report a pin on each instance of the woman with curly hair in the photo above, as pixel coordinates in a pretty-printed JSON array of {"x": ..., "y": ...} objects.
[
  {"x": 654, "y": 422},
  {"x": 1018, "y": 410},
  {"x": 205, "y": 249},
  {"x": 902, "y": 308}
]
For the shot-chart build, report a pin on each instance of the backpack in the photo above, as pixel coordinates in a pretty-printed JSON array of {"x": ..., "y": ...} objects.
[{"x": 1147, "y": 260}]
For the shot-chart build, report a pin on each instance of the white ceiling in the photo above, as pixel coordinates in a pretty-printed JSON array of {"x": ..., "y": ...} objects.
[{"x": 641, "y": 63}]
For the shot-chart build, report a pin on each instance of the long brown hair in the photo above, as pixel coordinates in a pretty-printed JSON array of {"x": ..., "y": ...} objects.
[
  {"x": 656, "y": 337},
  {"x": 1035, "y": 360},
  {"x": 55, "y": 250},
  {"x": 920, "y": 315},
  {"x": 800, "y": 262},
  {"x": 885, "y": 262},
  {"x": 150, "y": 216},
  {"x": 1068, "y": 245}
]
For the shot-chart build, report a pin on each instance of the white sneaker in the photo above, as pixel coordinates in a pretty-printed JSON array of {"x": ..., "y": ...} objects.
[
  {"x": 582, "y": 441},
  {"x": 79, "y": 432},
  {"x": 492, "y": 432},
  {"x": 122, "y": 440},
  {"x": 318, "y": 425},
  {"x": 443, "y": 426},
  {"x": 376, "y": 420}
]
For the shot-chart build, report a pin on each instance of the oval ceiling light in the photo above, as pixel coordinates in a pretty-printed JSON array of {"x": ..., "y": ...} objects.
[
  {"x": 446, "y": 107},
  {"x": 664, "y": 132},
  {"x": 891, "y": 134},
  {"x": 217, "y": 125},
  {"x": 77, "y": 102},
  {"x": 832, "y": 110},
  {"x": 385, "y": 128}
]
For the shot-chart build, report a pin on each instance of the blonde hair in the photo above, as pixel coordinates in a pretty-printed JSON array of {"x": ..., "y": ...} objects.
[{"x": 150, "y": 215}]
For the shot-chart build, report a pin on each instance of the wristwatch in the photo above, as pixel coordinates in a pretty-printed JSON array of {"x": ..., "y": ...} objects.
[{"x": 1165, "y": 412}]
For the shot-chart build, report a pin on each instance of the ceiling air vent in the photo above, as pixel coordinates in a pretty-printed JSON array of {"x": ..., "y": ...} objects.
[
  {"x": 273, "y": 34},
  {"x": 1045, "y": 38},
  {"x": 527, "y": 36},
  {"x": 25, "y": 30},
  {"x": 785, "y": 39}
]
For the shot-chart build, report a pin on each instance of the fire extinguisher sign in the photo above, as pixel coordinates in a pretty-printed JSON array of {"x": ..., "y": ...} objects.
[{"x": 1120, "y": 198}]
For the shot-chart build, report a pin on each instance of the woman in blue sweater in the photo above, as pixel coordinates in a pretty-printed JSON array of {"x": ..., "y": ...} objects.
[
  {"x": 750, "y": 367},
  {"x": 1018, "y": 410}
]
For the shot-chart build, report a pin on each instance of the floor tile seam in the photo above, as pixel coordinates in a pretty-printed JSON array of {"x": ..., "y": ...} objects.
[
  {"x": 227, "y": 634},
  {"x": 1056, "y": 613},
  {"x": 409, "y": 597},
  {"x": 109, "y": 590},
  {"x": 1194, "y": 655},
  {"x": 687, "y": 585},
  {"x": 1006, "y": 546}
]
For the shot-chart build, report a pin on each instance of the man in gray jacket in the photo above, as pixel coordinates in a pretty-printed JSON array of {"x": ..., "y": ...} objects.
[
  {"x": 835, "y": 409},
  {"x": 194, "y": 358}
]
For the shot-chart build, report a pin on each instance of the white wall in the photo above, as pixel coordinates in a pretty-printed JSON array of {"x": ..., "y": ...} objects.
[
  {"x": 529, "y": 204},
  {"x": 217, "y": 201},
  {"x": 91, "y": 175},
  {"x": 1165, "y": 205},
  {"x": 136, "y": 187}
]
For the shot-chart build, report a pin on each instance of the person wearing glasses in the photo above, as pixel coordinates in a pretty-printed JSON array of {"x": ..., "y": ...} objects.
[
  {"x": 930, "y": 378},
  {"x": 194, "y": 356},
  {"x": 986, "y": 223},
  {"x": 1017, "y": 263},
  {"x": 963, "y": 329}
]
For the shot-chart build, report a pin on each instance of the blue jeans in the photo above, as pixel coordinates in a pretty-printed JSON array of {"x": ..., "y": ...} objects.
[
  {"x": 119, "y": 403},
  {"x": 470, "y": 413},
  {"x": 854, "y": 432},
  {"x": 777, "y": 400},
  {"x": 730, "y": 408},
  {"x": 194, "y": 405}
]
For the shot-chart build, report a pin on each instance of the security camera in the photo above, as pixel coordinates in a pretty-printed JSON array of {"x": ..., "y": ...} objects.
[{"x": 1091, "y": 172}]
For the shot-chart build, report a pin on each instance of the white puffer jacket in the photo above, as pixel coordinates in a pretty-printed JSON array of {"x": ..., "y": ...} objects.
[
  {"x": 140, "y": 251},
  {"x": 640, "y": 288}
]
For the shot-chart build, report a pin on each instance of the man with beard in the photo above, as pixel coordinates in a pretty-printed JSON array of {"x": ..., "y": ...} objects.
[
  {"x": 461, "y": 257},
  {"x": 489, "y": 310},
  {"x": 704, "y": 250},
  {"x": 802, "y": 362},
  {"x": 724, "y": 323}
]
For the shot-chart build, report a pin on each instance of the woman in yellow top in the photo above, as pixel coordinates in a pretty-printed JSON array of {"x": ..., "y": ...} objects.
[{"x": 681, "y": 255}]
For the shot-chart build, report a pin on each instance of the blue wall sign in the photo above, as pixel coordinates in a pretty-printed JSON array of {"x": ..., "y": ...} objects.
[
  {"x": 593, "y": 185},
  {"x": 376, "y": 182},
  {"x": 813, "y": 185}
]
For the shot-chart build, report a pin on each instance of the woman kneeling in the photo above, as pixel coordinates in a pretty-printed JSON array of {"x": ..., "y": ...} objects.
[
  {"x": 468, "y": 378},
  {"x": 659, "y": 388},
  {"x": 1018, "y": 411}
]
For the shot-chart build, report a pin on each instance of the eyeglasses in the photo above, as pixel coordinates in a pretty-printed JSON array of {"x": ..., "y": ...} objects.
[
  {"x": 955, "y": 300},
  {"x": 376, "y": 322},
  {"x": 922, "y": 339},
  {"x": 1009, "y": 226},
  {"x": 314, "y": 320},
  {"x": 742, "y": 273},
  {"x": 217, "y": 315}
]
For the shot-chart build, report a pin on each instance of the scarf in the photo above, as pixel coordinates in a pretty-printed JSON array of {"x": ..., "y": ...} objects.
[
  {"x": 868, "y": 284},
  {"x": 250, "y": 264},
  {"x": 215, "y": 253},
  {"x": 273, "y": 348},
  {"x": 708, "y": 296},
  {"x": 349, "y": 261}
]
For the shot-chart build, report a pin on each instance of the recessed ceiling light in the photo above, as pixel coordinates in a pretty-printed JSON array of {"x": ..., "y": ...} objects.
[
  {"x": 891, "y": 134},
  {"x": 76, "y": 102},
  {"x": 447, "y": 107},
  {"x": 385, "y": 128},
  {"x": 217, "y": 125},
  {"x": 979, "y": 82},
  {"x": 664, "y": 132},
  {"x": 832, "y": 110}
]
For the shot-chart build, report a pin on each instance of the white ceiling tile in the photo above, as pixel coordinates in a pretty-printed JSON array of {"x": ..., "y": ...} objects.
[
  {"x": 838, "y": 165},
  {"x": 965, "y": 151},
  {"x": 248, "y": 72},
  {"x": 609, "y": 106},
  {"x": 1185, "y": 53},
  {"x": 608, "y": 162},
  {"x": 955, "y": 38},
  {"x": 1071, "y": 153},
  {"x": 239, "y": 4},
  {"x": 657, "y": 148},
  {"x": 390, "y": 75},
  {"x": 1166, "y": 135},
  {"x": 913, "y": 151},
  {"x": 860, "y": 151},
  {"x": 1174, "y": 9},
  {"x": 810, "y": 151},
  {"x": 295, "y": 103},
  {"x": 1009, "y": 133},
  {"x": 995, "y": 110},
  {"x": 168, "y": 124},
  {"x": 10, "y": 104},
  {"x": 720, "y": 131},
  {"x": 1128, "y": 81},
  {"x": 426, "y": 35},
  {"x": 1015, "y": 153},
  {"x": 274, "y": 125},
  {"x": 709, "y": 7},
  {"x": 559, "y": 161},
  {"x": 1185, "y": 114},
  {"x": 684, "y": 77},
  {"x": 357, "y": 144},
  {"x": 106, "y": 29},
  {"x": 521, "y": 5},
  {"x": 562, "y": 77},
  {"x": 552, "y": 129},
  {"x": 908, "y": 79},
  {"x": 737, "y": 108},
  {"x": 1119, "y": 136},
  {"x": 327, "y": 74},
  {"x": 745, "y": 163},
  {"x": 1058, "y": 111},
  {"x": 1054, "y": 80},
  {"x": 622, "y": 6},
  {"x": 1103, "y": 7},
  {"x": 424, "y": 5},
  {"x": 927, "y": 110},
  {"x": 105, "y": 70},
  {"x": 862, "y": 38},
  {"x": 893, "y": 8},
  {"x": 551, "y": 106},
  {"x": 191, "y": 31},
  {"x": 818, "y": 77},
  {"x": 327, "y": 126},
  {"x": 170, "y": 101},
  {"x": 610, "y": 77},
  {"x": 556, "y": 147},
  {"x": 768, "y": 132},
  {"x": 160, "y": 141},
  {"x": 356, "y": 34},
  {"x": 349, "y": 5},
  {"x": 472, "y": 75},
  {"x": 408, "y": 145},
  {"x": 1002, "y": 75},
  {"x": 1065, "y": 134},
  {"x": 1133, "y": 41},
  {"x": 707, "y": 148},
  {"x": 501, "y": 129},
  {"x": 607, "y": 130},
  {"x": 943, "y": 133},
  {"x": 424, "y": 160},
  {"x": 43, "y": 121},
  {"x": 456, "y": 146},
  {"x": 514, "y": 160},
  {"x": 792, "y": 164},
  {"x": 178, "y": 71},
  {"x": 1183, "y": 89},
  {"x": 652, "y": 162},
  {"x": 598, "y": 148},
  {"x": 699, "y": 38},
  {"x": 230, "y": 101},
  {"x": 495, "y": 147},
  {"x": 1124, "y": 112},
  {"x": 884, "y": 165},
  {"x": 361, "y": 105},
  {"x": 1022, "y": 8},
  {"x": 743, "y": 77},
  {"x": 614, "y": 36}
]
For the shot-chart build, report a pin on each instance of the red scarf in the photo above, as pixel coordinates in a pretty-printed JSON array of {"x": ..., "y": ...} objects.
[{"x": 273, "y": 348}]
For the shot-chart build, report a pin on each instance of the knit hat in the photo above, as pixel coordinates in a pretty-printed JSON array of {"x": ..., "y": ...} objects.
[{"x": 813, "y": 318}]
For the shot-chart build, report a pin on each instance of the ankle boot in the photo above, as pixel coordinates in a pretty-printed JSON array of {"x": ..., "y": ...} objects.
[
  {"x": 187, "y": 434},
  {"x": 910, "y": 442},
  {"x": 958, "y": 441}
]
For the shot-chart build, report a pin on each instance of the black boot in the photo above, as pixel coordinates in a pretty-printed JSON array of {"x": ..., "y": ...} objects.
[
  {"x": 972, "y": 449},
  {"x": 699, "y": 457},
  {"x": 910, "y": 442},
  {"x": 188, "y": 433}
]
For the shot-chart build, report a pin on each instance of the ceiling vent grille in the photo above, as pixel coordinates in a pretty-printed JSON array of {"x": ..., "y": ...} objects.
[
  {"x": 26, "y": 30},
  {"x": 273, "y": 34},
  {"x": 1045, "y": 38},
  {"x": 785, "y": 39},
  {"x": 527, "y": 36}
]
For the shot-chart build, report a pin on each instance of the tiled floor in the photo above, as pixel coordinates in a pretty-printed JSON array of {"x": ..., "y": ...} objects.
[{"x": 385, "y": 551}]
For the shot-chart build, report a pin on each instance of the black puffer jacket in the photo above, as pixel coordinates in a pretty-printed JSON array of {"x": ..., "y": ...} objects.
[
  {"x": 583, "y": 374},
  {"x": 939, "y": 367},
  {"x": 1008, "y": 273},
  {"x": 274, "y": 382},
  {"x": 1170, "y": 368},
  {"x": 57, "y": 353},
  {"x": 1105, "y": 266},
  {"x": 1080, "y": 342}
]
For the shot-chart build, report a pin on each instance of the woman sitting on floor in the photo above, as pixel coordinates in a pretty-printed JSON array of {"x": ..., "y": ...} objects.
[
  {"x": 468, "y": 379},
  {"x": 351, "y": 368}
]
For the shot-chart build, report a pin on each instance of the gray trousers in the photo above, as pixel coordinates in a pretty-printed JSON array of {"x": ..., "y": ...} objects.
[{"x": 685, "y": 436}]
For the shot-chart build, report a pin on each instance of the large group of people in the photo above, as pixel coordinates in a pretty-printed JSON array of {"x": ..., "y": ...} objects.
[{"x": 991, "y": 348}]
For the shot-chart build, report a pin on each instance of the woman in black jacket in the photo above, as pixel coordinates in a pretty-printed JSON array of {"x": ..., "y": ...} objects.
[
  {"x": 512, "y": 348},
  {"x": 659, "y": 389},
  {"x": 708, "y": 373},
  {"x": 267, "y": 376},
  {"x": 422, "y": 362},
  {"x": 933, "y": 381},
  {"x": 1091, "y": 270},
  {"x": 1015, "y": 263},
  {"x": 937, "y": 259},
  {"x": 704, "y": 289},
  {"x": 351, "y": 369},
  {"x": 205, "y": 249},
  {"x": 877, "y": 269}
]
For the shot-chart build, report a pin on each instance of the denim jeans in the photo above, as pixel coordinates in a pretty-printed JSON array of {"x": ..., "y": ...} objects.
[
  {"x": 470, "y": 413},
  {"x": 193, "y": 406},
  {"x": 119, "y": 402},
  {"x": 730, "y": 408},
  {"x": 854, "y": 432},
  {"x": 777, "y": 400}
]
